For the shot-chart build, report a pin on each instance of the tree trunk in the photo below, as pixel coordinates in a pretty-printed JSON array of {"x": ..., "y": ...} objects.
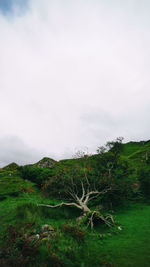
[{"x": 85, "y": 208}]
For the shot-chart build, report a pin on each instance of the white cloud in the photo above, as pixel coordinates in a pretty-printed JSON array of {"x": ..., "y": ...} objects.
[
  {"x": 14, "y": 149},
  {"x": 75, "y": 73}
]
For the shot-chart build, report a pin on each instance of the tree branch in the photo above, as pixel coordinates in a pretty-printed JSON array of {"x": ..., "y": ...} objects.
[
  {"x": 95, "y": 193},
  {"x": 85, "y": 175},
  {"x": 83, "y": 191},
  {"x": 60, "y": 205}
]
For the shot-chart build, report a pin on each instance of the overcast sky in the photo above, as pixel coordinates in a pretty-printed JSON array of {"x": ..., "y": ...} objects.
[{"x": 73, "y": 74}]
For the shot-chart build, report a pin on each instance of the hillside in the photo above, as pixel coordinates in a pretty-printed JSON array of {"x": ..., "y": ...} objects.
[
  {"x": 67, "y": 242},
  {"x": 134, "y": 152}
]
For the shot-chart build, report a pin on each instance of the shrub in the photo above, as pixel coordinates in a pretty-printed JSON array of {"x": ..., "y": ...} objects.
[
  {"x": 19, "y": 250},
  {"x": 120, "y": 183},
  {"x": 144, "y": 179},
  {"x": 75, "y": 231},
  {"x": 35, "y": 174}
]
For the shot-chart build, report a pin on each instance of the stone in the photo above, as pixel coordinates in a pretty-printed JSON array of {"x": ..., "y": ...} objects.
[
  {"x": 34, "y": 237},
  {"x": 46, "y": 163},
  {"x": 47, "y": 228}
]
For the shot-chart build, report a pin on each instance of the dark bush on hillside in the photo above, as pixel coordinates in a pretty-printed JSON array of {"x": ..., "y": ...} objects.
[
  {"x": 35, "y": 174},
  {"x": 121, "y": 190},
  {"x": 113, "y": 148},
  {"x": 116, "y": 172},
  {"x": 105, "y": 163},
  {"x": 121, "y": 184},
  {"x": 144, "y": 179}
]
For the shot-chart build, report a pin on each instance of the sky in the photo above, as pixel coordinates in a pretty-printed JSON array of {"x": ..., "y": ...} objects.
[{"x": 74, "y": 74}]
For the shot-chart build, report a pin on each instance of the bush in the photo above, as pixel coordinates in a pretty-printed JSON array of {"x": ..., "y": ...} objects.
[
  {"x": 120, "y": 184},
  {"x": 121, "y": 190},
  {"x": 74, "y": 231},
  {"x": 19, "y": 250},
  {"x": 144, "y": 179},
  {"x": 35, "y": 174}
]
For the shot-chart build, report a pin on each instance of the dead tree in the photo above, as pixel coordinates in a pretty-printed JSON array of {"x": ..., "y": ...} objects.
[{"x": 81, "y": 192}]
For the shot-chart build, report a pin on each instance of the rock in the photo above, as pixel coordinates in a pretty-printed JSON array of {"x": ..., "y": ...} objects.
[
  {"x": 80, "y": 218},
  {"x": 46, "y": 163},
  {"x": 34, "y": 237},
  {"x": 47, "y": 228},
  {"x": 48, "y": 235},
  {"x": 47, "y": 232}
]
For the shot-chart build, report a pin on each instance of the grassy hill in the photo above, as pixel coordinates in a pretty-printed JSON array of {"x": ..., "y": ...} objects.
[{"x": 23, "y": 242}]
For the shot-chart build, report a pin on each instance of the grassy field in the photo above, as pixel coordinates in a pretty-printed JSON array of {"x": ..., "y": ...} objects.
[{"x": 129, "y": 246}]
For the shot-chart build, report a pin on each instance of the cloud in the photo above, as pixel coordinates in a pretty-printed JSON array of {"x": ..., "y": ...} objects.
[
  {"x": 75, "y": 73},
  {"x": 8, "y": 7},
  {"x": 13, "y": 149}
]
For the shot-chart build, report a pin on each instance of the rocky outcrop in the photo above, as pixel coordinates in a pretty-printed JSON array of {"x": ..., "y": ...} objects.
[{"x": 46, "y": 163}]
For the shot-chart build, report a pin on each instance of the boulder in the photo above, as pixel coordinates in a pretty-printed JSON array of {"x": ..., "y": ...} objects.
[{"x": 46, "y": 163}]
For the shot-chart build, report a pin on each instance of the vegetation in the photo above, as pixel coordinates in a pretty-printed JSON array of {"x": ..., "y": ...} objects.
[{"x": 46, "y": 210}]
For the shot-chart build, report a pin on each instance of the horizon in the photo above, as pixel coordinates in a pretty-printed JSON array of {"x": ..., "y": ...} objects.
[{"x": 73, "y": 157}]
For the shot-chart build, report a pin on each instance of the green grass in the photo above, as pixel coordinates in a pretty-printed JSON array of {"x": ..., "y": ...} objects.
[
  {"x": 134, "y": 151},
  {"x": 128, "y": 247},
  {"x": 130, "y": 148},
  {"x": 11, "y": 182},
  {"x": 131, "y": 247}
]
